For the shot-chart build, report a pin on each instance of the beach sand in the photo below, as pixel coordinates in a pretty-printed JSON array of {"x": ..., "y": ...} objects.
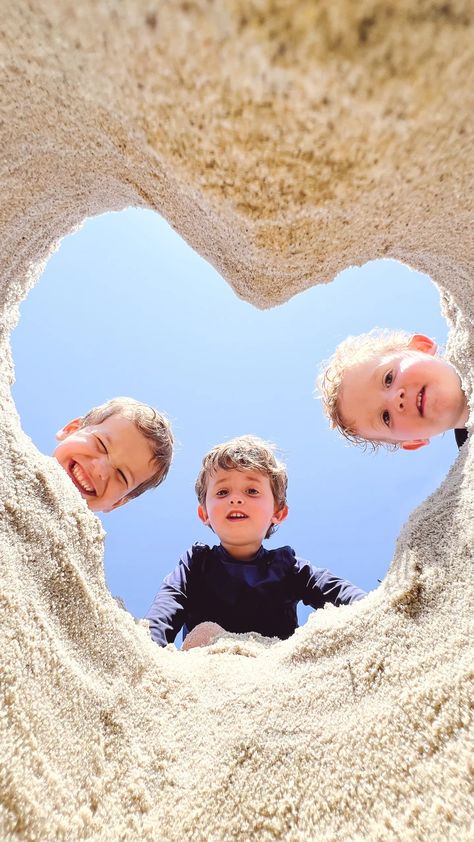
[{"x": 284, "y": 141}]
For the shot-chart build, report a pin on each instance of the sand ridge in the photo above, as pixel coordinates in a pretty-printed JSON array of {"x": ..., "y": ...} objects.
[{"x": 284, "y": 141}]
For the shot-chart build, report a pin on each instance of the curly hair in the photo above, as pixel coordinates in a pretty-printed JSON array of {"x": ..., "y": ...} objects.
[
  {"x": 351, "y": 352},
  {"x": 153, "y": 425},
  {"x": 245, "y": 453}
]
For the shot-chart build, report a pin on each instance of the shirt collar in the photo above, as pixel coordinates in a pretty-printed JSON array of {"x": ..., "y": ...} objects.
[{"x": 261, "y": 552}]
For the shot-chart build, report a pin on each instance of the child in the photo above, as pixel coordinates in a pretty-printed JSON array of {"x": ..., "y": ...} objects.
[
  {"x": 115, "y": 452},
  {"x": 238, "y": 584},
  {"x": 390, "y": 387}
]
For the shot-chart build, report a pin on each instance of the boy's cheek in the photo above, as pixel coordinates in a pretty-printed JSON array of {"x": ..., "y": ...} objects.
[{"x": 59, "y": 456}]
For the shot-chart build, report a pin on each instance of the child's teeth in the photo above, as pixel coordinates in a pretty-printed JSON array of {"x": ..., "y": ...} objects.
[{"x": 81, "y": 478}]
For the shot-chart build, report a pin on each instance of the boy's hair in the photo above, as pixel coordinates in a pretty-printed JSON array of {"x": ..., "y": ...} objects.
[
  {"x": 245, "y": 453},
  {"x": 150, "y": 423},
  {"x": 351, "y": 352}
]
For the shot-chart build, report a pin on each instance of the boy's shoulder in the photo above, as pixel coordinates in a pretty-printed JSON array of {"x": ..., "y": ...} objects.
[
  {"x": 286, "y": 550},
  {"x": 285, "y": 555},
  {"x": 196, "y": 551},
  {"x": 192, "y": 562}
]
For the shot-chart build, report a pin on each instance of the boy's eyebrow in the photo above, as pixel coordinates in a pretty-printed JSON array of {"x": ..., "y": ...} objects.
[
  {"x": 376, "y": 373},
  {"x": 222, "y": 481},
  {"x": 252, "y": 477},
  {"x": 257, "y": 477},
  {"x": 378, "y": 425},
  {"x": 376, "y": 419}
]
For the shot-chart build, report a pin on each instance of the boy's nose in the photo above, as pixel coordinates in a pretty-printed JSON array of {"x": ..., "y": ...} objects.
[
  {"x": 399, "y": 400},
  {"x": 101, "y": 466},
  {"x": 236, "y": 499}
]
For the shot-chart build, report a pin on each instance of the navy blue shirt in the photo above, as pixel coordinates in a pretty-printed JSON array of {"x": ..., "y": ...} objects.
[
  {"x": 259, "y": 595},
  {"x": 461, "y": 435}
]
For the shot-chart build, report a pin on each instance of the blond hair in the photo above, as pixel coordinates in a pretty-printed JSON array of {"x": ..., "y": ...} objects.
[
  {"x": 245, "y": 453},
  {"x": 349, "y": 353},
  {"x": 153, "y": 425}
]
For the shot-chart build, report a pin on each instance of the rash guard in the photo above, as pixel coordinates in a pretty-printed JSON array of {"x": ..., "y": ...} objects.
[
  {"x": 259, "y": 594},
  {"x": 461, "y": 435}
]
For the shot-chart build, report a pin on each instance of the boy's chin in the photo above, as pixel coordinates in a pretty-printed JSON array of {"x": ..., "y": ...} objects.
[
  {"x": 93, "y": 505},
  {"x": 96, "y": 506}
]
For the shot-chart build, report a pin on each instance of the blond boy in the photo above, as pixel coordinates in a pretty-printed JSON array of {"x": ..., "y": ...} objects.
[
  {"x": 115, "y": 452},
  {"x": 391, "y": 387},
  {"x": 238, "y": 584}
]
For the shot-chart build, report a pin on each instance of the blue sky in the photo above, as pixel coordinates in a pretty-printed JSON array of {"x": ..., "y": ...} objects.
[{"x": 125, "y": 307}]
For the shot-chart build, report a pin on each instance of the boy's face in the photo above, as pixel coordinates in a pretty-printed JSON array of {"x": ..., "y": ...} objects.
[
  {"x": 105, "y": 461},
  {"x": 403, "y": 396},
  {"x": 240, "y": 507}
]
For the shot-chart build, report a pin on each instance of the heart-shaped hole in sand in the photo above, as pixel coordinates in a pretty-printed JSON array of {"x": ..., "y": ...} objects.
[{"x": 126, "y": 307}]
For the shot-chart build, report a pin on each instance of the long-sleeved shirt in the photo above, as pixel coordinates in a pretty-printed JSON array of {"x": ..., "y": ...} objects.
[
  {"x": 259, "y": 595},
  {"x": 461, "y": 435}
]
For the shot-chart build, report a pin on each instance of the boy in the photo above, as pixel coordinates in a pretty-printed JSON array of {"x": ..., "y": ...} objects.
[
  {"x": 238, "y": 584},
  {"x": 115, "y": 452},
  {"x": 390, "y": 387}
]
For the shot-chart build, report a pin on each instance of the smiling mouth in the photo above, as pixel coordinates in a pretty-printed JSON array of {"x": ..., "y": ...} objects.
[
  {"x": 420, "y": 401},
  {"x": 81, "y": 480},
  {"x": 236, "y": 516}
]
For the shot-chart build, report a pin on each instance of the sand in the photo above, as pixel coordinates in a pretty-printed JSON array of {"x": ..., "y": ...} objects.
[{"x": 285, "y": 141}]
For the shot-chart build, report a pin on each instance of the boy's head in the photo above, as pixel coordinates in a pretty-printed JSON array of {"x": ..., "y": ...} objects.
[
  {"x": 390, "y": 387},
  {"x": 115, "y": 452},
  {"x": 241, "y": 490}
]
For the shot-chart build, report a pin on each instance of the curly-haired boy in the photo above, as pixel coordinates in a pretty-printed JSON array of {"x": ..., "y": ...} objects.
[
  {"x": 238, "y": 584},
  {"x": 391, "y": 387},
  {"x": 115, "y": 452}
]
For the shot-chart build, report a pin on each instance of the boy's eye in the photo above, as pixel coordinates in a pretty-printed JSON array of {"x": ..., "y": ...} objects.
[
  {"x": 386, "y": 417},
  {"x": 252, "y": 491},
  {"x": 122, "y": 476},
  {"x": 388, "y": 379},
  {"x": 222, "y": 492}
]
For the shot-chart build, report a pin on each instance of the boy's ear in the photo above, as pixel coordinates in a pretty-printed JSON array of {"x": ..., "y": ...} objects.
[
  {"x": 119, "y": 503},
  {"x": 68, "y": 429},
  {"x": 114, "y": 506},
  {"x": 419, "y": 342},
  {"x": 280, "y": 516},
  {"x": 202, "y": 515},
  {"x": 414, "y": 445}
]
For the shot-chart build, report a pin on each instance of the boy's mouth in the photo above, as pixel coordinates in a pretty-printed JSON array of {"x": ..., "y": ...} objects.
[
  {"x": 420, "y": 401},
  {"x": 236, "y": 516},
  {"x": 81, "y": 479}
]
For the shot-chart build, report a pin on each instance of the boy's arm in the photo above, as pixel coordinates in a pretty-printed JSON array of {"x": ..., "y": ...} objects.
[
  {"x": 318, "y": 586},
  {"x": 166, "y": 615}
]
